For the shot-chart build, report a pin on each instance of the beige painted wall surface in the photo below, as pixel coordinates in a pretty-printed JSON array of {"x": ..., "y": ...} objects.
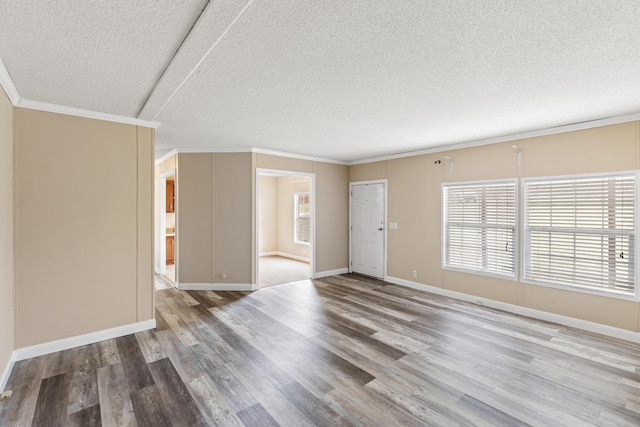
[
  {"x": 287, "y": 187},
  {"x": 145, "y": 249},
  {"x": 78, "y": 205},
  {"x": 233, "y": 217},
  {"x": 415, "y": 204},
  {"x": 332, "y": 216},
  {"x": 368, "y": 171},
  {"x": 266, "y": 161},
  {"x": 604, "y": 149},
  {"x": 195, "y": 221},
  {"x": 7, "y": 301},
  {"x": 268, "y": 214}
]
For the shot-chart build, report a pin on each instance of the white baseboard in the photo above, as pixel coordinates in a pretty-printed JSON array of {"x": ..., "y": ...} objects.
[
  {"x": 7, "y": 371},
  {"x": 216, "y": 287},
  {"x": 321, "y": 274},
  {"x": 585, "y": 325},
  {"x": 285, "y": 255},
  {"x": 80, "y": 340}
]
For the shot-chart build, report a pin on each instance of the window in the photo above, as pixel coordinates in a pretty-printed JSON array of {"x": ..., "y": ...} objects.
[
  {"x": 479, "y": 230},
  {"x": 302, "y": 215},
  {"x": 580, "y": 232}
]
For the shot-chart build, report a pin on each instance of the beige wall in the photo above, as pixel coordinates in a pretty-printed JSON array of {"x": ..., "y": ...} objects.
[
  {"x": 84, "y": 201},
  {"x": 268, "y": 217},
  {"x": 7, "y": 300},
  {"x": 415, "y": 204},
  {"x": 214, "y": 218}
]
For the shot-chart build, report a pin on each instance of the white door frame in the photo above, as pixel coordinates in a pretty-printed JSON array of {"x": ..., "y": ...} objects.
[
  {"x": 163, "y": 221},
  {"x": 312, "y": 188},
  {"x": 385, "y": 186}
]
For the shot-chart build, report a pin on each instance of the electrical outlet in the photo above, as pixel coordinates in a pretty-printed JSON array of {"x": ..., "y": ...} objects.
[
  {"x": 6, "y": 395},
  {"x": 415, "y": 273},
  {"x": 224, "y": 276}
]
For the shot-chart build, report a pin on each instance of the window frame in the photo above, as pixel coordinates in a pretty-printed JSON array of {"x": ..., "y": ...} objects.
[
  {"x": 612, "y": 293},
  {"x": 516, "y": 245},
  {"x": 296, "y": 217}
]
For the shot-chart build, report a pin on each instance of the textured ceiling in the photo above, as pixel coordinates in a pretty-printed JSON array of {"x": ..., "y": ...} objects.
[{"x": 344, "y": 80}]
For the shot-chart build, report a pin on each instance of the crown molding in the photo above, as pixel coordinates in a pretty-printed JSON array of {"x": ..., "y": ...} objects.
[
  {"x": 248, "y": 150},
  {"x": 166, "y": 156},
  {"x": 80, "y": 112},
  {"x": 507, "y": 138},
  {"x": 298, "y": 156},
  {"x": 7, "y": 84}
]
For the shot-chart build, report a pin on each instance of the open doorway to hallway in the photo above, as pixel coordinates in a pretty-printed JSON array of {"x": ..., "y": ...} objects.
[
  {"x": 285, "y": 225},
  {"x": 168, "y": 211}
]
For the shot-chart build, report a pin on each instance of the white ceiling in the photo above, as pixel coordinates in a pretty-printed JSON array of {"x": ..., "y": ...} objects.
[{"x": 336, "y": 79}]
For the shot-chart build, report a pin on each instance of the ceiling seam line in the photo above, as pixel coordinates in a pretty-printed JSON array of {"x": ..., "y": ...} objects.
[
  {"x": 192, "y": 72},
  {"x": 173, "y": 57}
]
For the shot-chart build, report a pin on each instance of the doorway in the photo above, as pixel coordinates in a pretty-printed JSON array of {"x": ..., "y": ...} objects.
[
  {"x": 285, "y": 227},
  {"x": 368, "y": 232},
  {"x": 168, "y": 229}
]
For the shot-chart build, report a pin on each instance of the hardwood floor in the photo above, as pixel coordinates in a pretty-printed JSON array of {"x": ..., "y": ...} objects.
[{"x": 343, "y": 350}]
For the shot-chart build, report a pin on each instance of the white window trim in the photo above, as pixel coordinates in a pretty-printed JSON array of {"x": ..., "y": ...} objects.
[
  {"x": 295, "y": 218},
  {"x": 579, "y": 288},
  {"x": 516, "y": 245}
]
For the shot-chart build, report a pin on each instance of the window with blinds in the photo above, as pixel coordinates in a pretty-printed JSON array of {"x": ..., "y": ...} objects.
[
  {"x": 580, "y": 232},
  {"x": 479, "y": 227},
  {"x": 302, "y": 215}
]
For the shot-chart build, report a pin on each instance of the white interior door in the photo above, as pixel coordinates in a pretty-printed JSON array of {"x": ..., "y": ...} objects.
[{"x": 367, "y": 229}]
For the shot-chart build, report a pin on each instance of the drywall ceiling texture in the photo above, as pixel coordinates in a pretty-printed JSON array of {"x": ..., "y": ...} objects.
[
  {"x": 103, "y": 56},
  {"x": 333, "y": 79},
  {"x": 357, "y": 79}
]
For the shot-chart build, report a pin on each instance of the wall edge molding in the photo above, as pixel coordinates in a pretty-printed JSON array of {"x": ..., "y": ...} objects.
[
  {"x": 80, "y": 340},
  {"x": 166, "y": 157},
  {"x": 216, "y": 287},
  {"x": 7, "y": 84},
  {"x": 7, "y": 371},
  {"x": 80, "y": 112},
  {"x": 585, "y": 325},
  {"x": 327, "y": 273}
]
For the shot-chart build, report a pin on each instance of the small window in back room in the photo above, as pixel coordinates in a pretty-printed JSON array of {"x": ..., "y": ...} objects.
[{"x": 302, "y": 215}]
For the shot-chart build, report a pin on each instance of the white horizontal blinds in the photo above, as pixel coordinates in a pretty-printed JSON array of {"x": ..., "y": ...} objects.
[
  {"x": 303, "y": 217},
  {"x": 581, "y": 232},
  {"x": 479, "y": 227}
]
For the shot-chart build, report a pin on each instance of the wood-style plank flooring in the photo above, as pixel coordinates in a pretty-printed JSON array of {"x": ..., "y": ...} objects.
[{"x": 343, "y": 350}]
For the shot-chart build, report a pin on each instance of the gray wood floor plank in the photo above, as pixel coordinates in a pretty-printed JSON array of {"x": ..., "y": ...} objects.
[
  {"x": 133, "y": 363},
  {"x": 116, "y": 408},
  {"x": 53, "y": 399},
  {"x": 149, "y": 408},
  {"x": 88, "y": 417},
  {"x": 83, "y": 389},
  {"x": 212, "y": 403},
  {"x": 179, "y": 403},
  {"x": 257, "y": 416}
]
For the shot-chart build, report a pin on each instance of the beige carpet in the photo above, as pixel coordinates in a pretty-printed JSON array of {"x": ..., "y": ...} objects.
[
  {"x": 171, "y": 273},
  {"x": 276, "y": 270}
]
